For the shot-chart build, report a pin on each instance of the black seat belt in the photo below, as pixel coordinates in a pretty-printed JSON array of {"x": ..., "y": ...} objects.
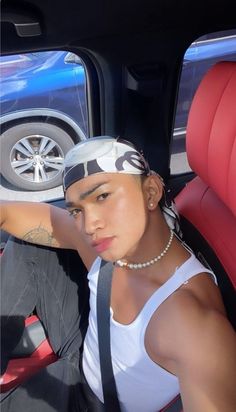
[{"x": 111, "y": 402}]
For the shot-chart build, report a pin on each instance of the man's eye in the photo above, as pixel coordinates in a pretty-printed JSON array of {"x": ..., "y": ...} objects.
[
  {"x": 74, "y": 212},
  {"x": 103, "y": 196}
]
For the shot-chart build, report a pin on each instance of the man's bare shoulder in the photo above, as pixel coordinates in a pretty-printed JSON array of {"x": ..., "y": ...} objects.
[
  {"x": 187, "y": 315},
  {"x": 199, "y": 344},
  {"x": 191, "y": 337}
]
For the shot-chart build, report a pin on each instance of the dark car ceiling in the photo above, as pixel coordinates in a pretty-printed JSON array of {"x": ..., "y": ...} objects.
[
  {"x": 96, "y": 23},
  {"x": 134, "y": 49}
]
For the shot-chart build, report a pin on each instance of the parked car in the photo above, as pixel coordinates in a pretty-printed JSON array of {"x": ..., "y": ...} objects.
[{"x": 43, "y": 113}]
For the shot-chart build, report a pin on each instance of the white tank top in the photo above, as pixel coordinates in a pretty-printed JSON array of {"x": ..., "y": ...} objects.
[{"x": 142, "y": 385}]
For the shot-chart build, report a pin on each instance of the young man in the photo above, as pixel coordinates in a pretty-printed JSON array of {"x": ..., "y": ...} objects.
[{"x": 169, "y": 332}]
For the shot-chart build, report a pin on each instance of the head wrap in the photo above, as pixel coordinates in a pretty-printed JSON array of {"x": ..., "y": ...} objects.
[
  {"x": 102, "y": 154},
  {"x": 106, "y": 154}
]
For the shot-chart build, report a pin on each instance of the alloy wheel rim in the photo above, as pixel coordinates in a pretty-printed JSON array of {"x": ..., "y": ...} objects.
[{"x": 37, "y": 158}]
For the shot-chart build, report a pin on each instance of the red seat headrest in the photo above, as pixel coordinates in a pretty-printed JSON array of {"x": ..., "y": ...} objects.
[{"x": 211, "y": 138}]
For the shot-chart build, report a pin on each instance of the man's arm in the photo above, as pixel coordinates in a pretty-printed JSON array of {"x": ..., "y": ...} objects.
[
  {"x": 207, "y": 372},
  {"x": 44, "y": 224},
  {"x": 204, "y": 350}
]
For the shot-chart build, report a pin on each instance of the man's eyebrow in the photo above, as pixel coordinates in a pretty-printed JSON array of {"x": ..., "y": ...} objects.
[
  {"x": 69, "y": 204},
  {"x": 83, "y": 195}
]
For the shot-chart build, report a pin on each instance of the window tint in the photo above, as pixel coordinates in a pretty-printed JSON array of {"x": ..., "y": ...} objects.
[
  {"x": 199, "y": 57},
  {"x": 43, "y": 114}
]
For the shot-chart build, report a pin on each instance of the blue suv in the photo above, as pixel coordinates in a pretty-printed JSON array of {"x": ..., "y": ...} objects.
[{"x": 43, "y": 114}]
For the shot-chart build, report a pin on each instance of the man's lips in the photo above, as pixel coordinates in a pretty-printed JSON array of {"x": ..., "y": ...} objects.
[{"x": 102, "y": 244}]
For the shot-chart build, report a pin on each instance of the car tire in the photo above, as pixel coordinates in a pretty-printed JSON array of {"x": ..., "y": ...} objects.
[{"x": 32, "y": 155}]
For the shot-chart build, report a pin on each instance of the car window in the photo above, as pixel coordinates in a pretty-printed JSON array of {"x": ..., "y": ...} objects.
[
  {"x": 43, "y": 114},
  {"x": 199, "y": 57}
]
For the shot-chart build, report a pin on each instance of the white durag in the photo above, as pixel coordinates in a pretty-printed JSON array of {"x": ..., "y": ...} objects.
[{"x": 105, "y": 154}]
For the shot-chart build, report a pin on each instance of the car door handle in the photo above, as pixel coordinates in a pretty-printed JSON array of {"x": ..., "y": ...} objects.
[{"x": 25, "y": 23}]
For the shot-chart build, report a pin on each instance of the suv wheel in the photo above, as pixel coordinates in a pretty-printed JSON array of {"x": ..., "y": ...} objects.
[{"x": 32, "y": 155}]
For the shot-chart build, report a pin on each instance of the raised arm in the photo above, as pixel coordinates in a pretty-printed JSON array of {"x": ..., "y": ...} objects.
[{"x": 44, "y": 224}]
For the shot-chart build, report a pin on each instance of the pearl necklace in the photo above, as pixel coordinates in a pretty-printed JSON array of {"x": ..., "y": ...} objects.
[{"x": 123, "y": 263}]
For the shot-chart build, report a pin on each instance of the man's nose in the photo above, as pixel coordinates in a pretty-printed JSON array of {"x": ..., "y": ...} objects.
[{"x": 92, "y": 222}]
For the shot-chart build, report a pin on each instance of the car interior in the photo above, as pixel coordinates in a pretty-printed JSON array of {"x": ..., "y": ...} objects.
[{"x": 133, "y": 53}]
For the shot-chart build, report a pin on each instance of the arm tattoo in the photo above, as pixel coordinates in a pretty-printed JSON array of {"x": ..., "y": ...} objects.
[{"x": 40, "y": 236}]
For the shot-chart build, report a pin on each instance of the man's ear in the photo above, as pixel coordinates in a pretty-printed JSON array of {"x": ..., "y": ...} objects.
[{"x": 153, "y": 191}]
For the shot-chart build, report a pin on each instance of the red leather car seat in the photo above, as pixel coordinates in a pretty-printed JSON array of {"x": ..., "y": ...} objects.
[{"x": 208, "y": 203}]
